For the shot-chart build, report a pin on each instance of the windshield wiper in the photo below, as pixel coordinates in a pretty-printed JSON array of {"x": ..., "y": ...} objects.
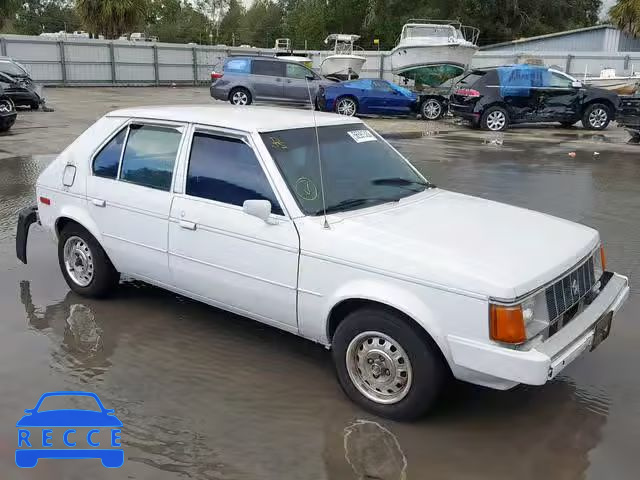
[
  {"x": 401, "y": 182},
  {"x": 355, "y": 202}
]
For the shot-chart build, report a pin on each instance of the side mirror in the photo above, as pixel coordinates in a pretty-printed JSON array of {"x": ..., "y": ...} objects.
[
  {"x": 257, "y": 208},
  {"x": 311, "y": 77},
  {"x": 576, "y": 84}
]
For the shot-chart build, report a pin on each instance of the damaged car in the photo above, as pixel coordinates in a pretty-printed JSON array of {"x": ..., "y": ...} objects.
[
  {"x": 7, "y": 112},
  {"x": 19, "y": 86}
]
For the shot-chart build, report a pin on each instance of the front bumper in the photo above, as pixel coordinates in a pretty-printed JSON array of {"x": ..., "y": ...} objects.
[{"x": 544, "y": 361}]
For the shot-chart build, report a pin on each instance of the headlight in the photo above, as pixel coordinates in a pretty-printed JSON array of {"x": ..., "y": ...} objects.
[{"x": 518, "y": 323}]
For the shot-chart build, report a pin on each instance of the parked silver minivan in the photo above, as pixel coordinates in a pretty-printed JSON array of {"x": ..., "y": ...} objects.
[{"x": 247, "y": 79}]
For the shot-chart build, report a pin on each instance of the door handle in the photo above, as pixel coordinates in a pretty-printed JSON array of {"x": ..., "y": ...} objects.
[
  {"x": 278, "y": 79},
  {"x": 98, "y": 203},
  {"x": 187, "y": 225}
]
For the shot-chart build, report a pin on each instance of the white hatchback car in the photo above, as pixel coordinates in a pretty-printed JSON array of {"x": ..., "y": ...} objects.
[{"x": 405, "y": 282}]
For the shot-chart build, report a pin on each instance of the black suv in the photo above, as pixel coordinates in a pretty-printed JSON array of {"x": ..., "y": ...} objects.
[
  {"x": 496, "y": 97},
  {"x": 7, "y": 112}
]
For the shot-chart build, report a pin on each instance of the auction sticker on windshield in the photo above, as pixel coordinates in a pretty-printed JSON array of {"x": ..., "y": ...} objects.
[{"x": 361, "y": 136}]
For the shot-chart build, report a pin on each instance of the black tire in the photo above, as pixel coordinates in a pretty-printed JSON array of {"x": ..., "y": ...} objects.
[
  {"x": 242, "y": 93},
  {"x": 487, "y": 121},
  {"x": 105, "y": 277},
  {"x": 427, "y": 367},
  {"x": 597, "y": 116},
  {"x": 34, "y": 106},
  {"x": 343, "y": 101},
  {"x": 432, "y": 109}
]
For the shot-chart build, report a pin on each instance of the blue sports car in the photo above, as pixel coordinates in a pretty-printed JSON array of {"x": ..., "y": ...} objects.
[{"x": 367, "y": 96}]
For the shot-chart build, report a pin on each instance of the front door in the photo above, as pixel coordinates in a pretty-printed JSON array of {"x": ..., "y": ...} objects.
[
  {"x": 558, "y": 99},
  {"x": 129, "y": 196},
  {"x": 220, "y": 253},
  {"x": 297, "y": 86},
  {"x": 267, "y": 78}
]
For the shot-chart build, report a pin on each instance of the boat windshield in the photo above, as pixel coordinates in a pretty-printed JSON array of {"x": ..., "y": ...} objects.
[
  {"x": 359, "y": 169},
  {"x": 437, "y": 31},
  {"x": 344, "y": 48}
]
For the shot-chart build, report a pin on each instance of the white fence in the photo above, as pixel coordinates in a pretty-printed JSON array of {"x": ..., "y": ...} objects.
[{"x": 103, "y": 62}]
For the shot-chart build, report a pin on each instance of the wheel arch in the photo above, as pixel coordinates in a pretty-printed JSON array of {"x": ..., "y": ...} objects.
[
  {"x": 397, "y": 300},
  {"x": 604, "y": 101}
]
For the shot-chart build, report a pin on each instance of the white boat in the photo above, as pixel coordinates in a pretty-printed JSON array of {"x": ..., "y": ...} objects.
[
  {"x": 431, "y": 52},
  {"x": 283, "y": 51},
  {"x": 342, "y": 64},
  {"x": 623, "y": 85}
]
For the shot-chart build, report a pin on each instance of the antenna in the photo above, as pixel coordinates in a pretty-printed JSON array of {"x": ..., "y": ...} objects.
[{"x": 315, "y": 127}]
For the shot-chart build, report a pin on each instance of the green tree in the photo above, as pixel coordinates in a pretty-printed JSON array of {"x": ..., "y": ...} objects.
[
  {"x": 37, "y": 16},
  {"x": 111, "y": 18},
  {"x": 176, "y": 21},
  {"x": 7, "y": 9},
  {"x": 625, "y": 14},
  {"x": 231, "y": 32},
  {"x": 262, "y": 23}
]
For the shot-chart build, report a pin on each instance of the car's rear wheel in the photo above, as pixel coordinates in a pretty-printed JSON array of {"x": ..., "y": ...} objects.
[
  {"x": 240, "y": 96},
  {"x": 385, "y": 365},
  {"x": 432, "y": 109},
  {"x": 495, "y": 119},
  {"x": 84, "y": 264},
  {"x": 597, "y": 116},
  {"x": 347, "y": 106}
]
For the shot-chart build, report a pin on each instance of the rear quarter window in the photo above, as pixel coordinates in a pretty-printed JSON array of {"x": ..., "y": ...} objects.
[{"x": 472, "y": 79}]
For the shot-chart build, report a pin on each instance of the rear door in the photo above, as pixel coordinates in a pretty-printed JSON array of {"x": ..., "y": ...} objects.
[
  {"x": 295, "y": 84},
  {"x": 129, "y": 195},
  {"x": 268, "y": 79}
]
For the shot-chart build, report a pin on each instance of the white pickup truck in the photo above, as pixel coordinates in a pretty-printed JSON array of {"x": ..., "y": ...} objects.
[{"x": 405, "y": 282}]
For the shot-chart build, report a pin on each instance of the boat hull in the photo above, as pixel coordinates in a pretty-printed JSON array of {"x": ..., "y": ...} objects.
[
  {"x": 622, "y": 86},
  {"x": 431, "y": 64},
  {"x": 342, "y": 66}
]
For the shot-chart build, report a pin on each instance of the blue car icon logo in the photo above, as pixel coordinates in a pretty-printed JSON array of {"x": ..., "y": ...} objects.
[{"x": 37, "y": 429}]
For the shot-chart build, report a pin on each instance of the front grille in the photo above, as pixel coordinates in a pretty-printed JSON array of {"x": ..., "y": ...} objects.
[{"x": 567, "y": 292}]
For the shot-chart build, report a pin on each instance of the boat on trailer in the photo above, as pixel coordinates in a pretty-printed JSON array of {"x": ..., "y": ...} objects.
[
  {"x": 430, "y": 52},
  {"x": 622, "y": 85},
  {"x": 342, "y": 64}
]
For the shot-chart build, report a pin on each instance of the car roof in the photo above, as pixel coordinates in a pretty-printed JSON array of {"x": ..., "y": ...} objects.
[
  {"x": 256, "y": 57},
  {"x": 244, "y": 118}
]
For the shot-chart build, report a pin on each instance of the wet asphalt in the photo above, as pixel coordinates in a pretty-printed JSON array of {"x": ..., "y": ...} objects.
[{"x": 204, "y": 394}]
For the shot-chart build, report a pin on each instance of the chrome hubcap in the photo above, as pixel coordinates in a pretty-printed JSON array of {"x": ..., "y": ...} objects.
[
  {"x": 379, "y": 367},
  {"x": 597, "y": 118},
  {"x": 431, "y": 109},
  {"x": 78, "y": 261},
  {"x": 347, "y": 107},
  {"x": 5, "y": 106},
  {"x": 496, "y": 120},
  {"x": 240, "y": 98}
]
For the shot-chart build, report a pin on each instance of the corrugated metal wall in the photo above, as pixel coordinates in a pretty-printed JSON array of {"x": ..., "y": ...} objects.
[{"x": 100, "y": 62}]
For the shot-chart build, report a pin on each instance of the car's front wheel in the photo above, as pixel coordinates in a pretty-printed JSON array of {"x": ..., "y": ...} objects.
[
  {"x": 240, "y": 96},
  {"x": 84, "y": 264},
  {"x": 495, "y": 119},
  {"x": 597, "y": 116},
  {"x": 386, "y": 365},
  {"x": 346, "y": 106}
]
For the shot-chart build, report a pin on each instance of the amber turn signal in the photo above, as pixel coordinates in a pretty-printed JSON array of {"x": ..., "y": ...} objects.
[
  {"x": 603, "y": 259},
  {"x": 506, "y": 324}
]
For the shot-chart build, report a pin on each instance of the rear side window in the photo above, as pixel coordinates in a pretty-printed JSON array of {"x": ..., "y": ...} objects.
[
  {"x": 105, "y": 164},
  {"x": 471, "y": 79},
  {"x": 267, "y": 67},
  {"x": 226, "y": 170},
  {"x": 238, "y": 65},
  {"x": 150, "y": 155}
]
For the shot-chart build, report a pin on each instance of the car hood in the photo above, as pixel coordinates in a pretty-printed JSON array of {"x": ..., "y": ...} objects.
[
  {"x": 69, "y": 418},
  {"x": 462, "y": 242}
]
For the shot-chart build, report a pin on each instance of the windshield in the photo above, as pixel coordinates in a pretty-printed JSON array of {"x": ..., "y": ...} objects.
[
  {"x": 440, "y": 31},
  {"x": 358, "y": 168},
  {"x": 11, "y": 68}
]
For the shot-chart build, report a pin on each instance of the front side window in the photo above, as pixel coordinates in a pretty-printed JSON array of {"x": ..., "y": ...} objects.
[
  {"x": 383, "y": 86},
  {"x": 150, "y": 155},
  {"x": 225, "y": 169},
  {"x": 559, "y": 81},
  {"x": 359, "y": 168},
  {"x": 105, "y": 163},
  {"x": 298, "y": 71},
  {"x": 268, "y": 67}
]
